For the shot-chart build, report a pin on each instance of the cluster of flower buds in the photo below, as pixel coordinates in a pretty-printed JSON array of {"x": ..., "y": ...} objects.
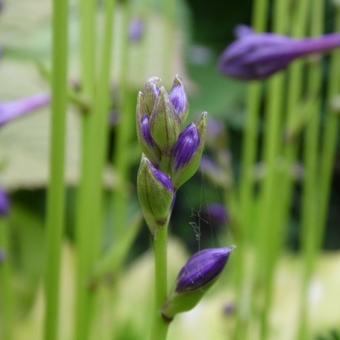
[
  {"x": 10, "y": 111},
  {"x": 172, "y": 152},
  {"x": 195, "y": 278},
  {"x": 257, "y": 56}
]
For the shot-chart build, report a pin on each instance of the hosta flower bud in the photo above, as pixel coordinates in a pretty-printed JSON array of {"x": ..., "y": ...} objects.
[
  {"x": 156, "y": 194},
  {"x": 164, "y": 123},
  {"x": 12, "y": 110},
  {"x": 136, "y": 30},
  {"x": 178, "y": 99},
  {"x": 257, "y": 56},
  {"x": 187, "y": 152},
  {"x": 4, "y": 203},
  {"x": 195, "y": 278},
  {"x": 146, "y": 141},
  {"x": 151, "y": 93}
]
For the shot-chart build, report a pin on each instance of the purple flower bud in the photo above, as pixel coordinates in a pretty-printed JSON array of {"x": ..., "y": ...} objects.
[
  {"x": 2, "y": 256},
  {"x": 145, "y": 129},
  {"x": 186, "y": 146},
  {"x": 136, "y": 30},
  {"x": 164, "y": 179},
  {"x": 216, "y": 213},
  {"x": 12, "y": 110},
  {"x": 178, "y": 98},
  {"x": 257, "y": 56},
  {"x": 4, "y": 203},
  {"x": 202, "y": 269}
]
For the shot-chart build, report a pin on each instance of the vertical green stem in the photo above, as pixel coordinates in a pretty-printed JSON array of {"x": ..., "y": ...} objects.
[
  {"x": 56, "y": 190},
  {"x": 310, "y": 208},
  {"x": 160, "y": 326},
  {"x": 269, "y": 235},
  {"x": 126, "y": 127},
  {"x": 169, "y": 38},
  {"x": 96, "y": 127},
  {"x": 84, "y": 221},
  {"x": 6, "y": 300},
  {"x": 247, "y": 184}
]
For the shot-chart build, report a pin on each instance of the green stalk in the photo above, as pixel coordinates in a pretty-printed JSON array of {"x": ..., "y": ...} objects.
[
  {"x": 244, "y": 285},
  {"x": 331, "y": 130},
  {"x": 56, "y": 189},
  {"x": 310, "y": 209},
  {"x": 160, "y": 325},
  {"x": 6, "y": 332},
  {"x": 269, "y": 235},
  {"x": 126, "y": 127},
  {"x": 84, "y": 247},
  {"x": 96, "y": 127},
  {"x": 169, "y": 38}
]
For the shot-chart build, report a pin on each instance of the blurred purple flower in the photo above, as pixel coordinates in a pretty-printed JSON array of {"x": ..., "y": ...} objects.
[
  {"x": 255, "y": 56},
  {"x": 12, "y": 110},
  {"x": 186, "y": 146},
  {"x": 4, "y": 203},
  {"x": 202, "y": 269},
  {"x": 2, "y": 256},
  {"x": 136, "y": 30},
  {"x": 216, "y": 213}
]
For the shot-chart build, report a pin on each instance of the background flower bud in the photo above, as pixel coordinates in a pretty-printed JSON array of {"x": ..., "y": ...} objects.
[
  {"x": 155, "y": 193},
  {"x": 178, "y": 99},
  {"x": 136, "y": 30},
  {"x": 187, "y": 152},
  {"x": 4, "y": 203},
  {"x": 195, "y": 278},
  {"x": 164, "y": 123}
]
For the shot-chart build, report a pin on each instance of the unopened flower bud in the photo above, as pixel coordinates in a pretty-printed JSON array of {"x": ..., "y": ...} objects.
[
  {"x": 4, "y": 203},
  {"x": 12, "y": 110},
  {"x": 146, "y": 141},
  {"x": 178, "y": 99},
  {"x": 156, "y": 194},
  {"x": 195, "y": 278},
  {"x": 257, "y": 56},
  {"x": 136, "y": 30},
  {"x": 164, "y": 123},
  {"x": 151, "y": 93},
  {"x": 187, "y": 152}
]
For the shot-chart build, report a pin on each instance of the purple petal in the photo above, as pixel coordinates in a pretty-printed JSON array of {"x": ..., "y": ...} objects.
[
  {"x": 11, "y": 110},
  {"x": 164, "y": 179},
  {"x": 187, "y": 144},
  {"x": 178, "y": 98},
  {"x": 4, "y": 203},
  {"x": 202, "y": 268},
  {"x": 145, "y": 129}
]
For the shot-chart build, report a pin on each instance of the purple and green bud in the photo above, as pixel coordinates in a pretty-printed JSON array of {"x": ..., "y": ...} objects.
[
  {"x": 178, "y": 99},
  {"x": 257, "y": 56},
  {"x": 187, "y": 153},
  {"x": 164, "y": 123},
  {"x": 10, "y": 111},
  {"x": 4, "y": 203},
  {"x": 156, "y": 194},
  {"x": 195, "y": 278}
]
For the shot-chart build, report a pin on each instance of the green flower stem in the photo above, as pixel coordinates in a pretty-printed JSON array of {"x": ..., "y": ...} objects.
[
  {"x": 6, "y": 330},
  {"x": 84, "y": 222},
  {"x": 169, "y": 38},
  {"x": 249, "y": 152},
  {"x": 121, "y": 159},
  {"x": 160, "y": 326},
  {"x": 331, "y": 130},
  {"x": 310, "y": 208},
  {"x": 56, "y": 189},
  {"x": 269, "y": 235},
  {"x": 95, "y": 129}
]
